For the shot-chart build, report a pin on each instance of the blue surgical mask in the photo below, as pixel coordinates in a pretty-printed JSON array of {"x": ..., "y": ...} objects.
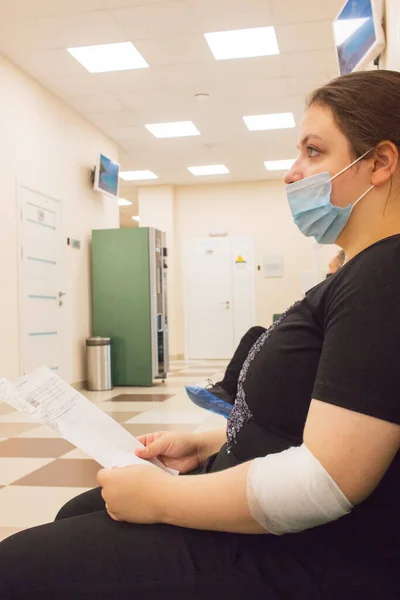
[{"x": 312, "y": 209}]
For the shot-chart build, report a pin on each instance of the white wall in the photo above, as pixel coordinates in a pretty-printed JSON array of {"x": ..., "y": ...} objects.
[
  {"x": 46, "y": 146},
  {"x": 129, "y": 192},
  {"x": 391, "y": 56}
]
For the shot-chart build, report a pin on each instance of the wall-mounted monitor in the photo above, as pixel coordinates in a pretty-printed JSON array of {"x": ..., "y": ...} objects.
[
  {"x": 358, "y": 34},
  {"x": 106, "y": 176}
]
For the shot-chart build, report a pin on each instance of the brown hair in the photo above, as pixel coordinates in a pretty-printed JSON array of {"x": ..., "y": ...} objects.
[{"x": 365, "y": 106}]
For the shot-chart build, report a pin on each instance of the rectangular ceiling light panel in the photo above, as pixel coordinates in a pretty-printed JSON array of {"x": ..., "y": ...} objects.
[
  {"x": 209, "y": 170},
  {"x": 243, "y": 43},
  {"x": 269, "y": 122},
  {"x": 279, "y": 165},
  {"x": 137, "y": 175},
  {"x": 109, "y": 57},
  {"x": 170, "y": 130}
]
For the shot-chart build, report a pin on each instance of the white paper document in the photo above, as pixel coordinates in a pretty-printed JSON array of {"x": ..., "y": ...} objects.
[{"x": 48, "y": 400}]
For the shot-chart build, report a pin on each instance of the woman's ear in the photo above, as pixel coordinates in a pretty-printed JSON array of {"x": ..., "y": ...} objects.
[{"x": 386, "y": 160}]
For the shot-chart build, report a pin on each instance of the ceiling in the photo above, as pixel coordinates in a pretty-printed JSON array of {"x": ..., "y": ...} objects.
[{"x": 34, "y": 34}]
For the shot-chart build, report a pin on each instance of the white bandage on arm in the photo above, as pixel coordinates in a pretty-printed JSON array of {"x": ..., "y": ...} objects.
[{"x": 291, "y": 491}]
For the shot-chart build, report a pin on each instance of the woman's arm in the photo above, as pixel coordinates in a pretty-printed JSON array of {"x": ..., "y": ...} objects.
[
  {"x": 216, "y": 501},
  {"x": 146, "y": 494},
  {"x": 354, "y": 449}
]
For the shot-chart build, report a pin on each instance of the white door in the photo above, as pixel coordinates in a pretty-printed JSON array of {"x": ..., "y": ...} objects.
[
  {"x": 218, "y": 295},
  {"x": 40, "y": 282}
]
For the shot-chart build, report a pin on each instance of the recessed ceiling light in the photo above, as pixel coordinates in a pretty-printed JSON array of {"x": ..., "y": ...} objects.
[
  {"x": 124, "y": 202},
  {"x": 136, "y": 219},
  {"x": 169, "y": 130},
  {"x": 137, "y": 175},
  {"x": 272, "y": 121},
  {"x": 109, "y": 57},
  {"x": 243, "y": 43},
  {"x": 209, "y": 170},
  {"x": 279, "y": 165}
]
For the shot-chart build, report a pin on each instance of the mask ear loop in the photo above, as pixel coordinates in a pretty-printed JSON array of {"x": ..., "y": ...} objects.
[
  {"x": 361, "y": 197},
  {"x": 352, "y": 164},
  {"x": 348, "y": 167}
]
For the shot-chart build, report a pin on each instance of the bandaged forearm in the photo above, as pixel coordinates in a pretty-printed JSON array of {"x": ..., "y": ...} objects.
[{"x": 291, "y": 491}]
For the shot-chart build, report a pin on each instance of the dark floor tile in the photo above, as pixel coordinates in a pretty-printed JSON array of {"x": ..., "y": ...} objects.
[
  {"x": 200, "y": 374},
  {"x": 64, "y": 473},
  {"x": 121, "y": 417},
  {"x": 137, "y": 429},
  {"x": 35, "y": 447},
  {"x": 142, "y": 397}
]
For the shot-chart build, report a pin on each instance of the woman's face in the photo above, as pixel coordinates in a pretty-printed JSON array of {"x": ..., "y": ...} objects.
[{"x": 323, "y": 147}]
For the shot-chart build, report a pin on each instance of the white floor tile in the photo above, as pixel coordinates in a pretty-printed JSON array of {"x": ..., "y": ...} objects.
[
  {"x": 30, "y": 506},
  {"x": 212, "y": 421},
  {"x": 133, "y": 406},
  {"x": 182, "y": 403},
  {"x": 12, "y": 469},
  {"x": 15, "y": 417}
]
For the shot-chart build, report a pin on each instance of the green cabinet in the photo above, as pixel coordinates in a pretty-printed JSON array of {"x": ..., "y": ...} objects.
[{"x": 129, "y": 302}]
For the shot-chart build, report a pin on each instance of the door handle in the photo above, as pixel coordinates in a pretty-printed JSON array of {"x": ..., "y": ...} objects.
[
  {"x": 61, "y": 294},
  {"x": 226, "y": 304}
]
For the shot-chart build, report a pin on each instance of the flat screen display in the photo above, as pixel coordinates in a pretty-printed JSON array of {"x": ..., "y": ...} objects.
[
  {"x": 358, "y": 34},
  {"x": 107, "y": 176}
]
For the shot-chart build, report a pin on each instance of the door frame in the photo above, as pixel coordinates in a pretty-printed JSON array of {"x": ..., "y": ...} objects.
[{"x": 20, "y": 206}]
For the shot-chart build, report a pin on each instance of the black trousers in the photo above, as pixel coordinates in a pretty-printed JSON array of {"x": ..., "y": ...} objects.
[
  {"x": 87, "y": 555},
  {"x": 230, "y": 380}
]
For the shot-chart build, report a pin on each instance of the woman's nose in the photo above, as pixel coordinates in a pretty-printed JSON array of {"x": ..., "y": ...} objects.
[
  {"x": 293, "y": 175},
  {"x": 295, "y": 172}
]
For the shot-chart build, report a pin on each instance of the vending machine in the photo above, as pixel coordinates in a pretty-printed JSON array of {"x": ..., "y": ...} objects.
[{"x": 129, "y": 274}]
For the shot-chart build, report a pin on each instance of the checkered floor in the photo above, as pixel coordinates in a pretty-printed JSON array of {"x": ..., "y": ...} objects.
[{"x": 40, "y": 471}]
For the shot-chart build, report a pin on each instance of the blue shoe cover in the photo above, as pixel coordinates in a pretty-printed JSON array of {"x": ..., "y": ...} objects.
[{"x": 203, "y": 398}]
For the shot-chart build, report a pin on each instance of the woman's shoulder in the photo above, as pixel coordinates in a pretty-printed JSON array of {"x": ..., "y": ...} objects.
[
  {"x": 367, "y": 281},
  {"x": 375, "y": 268},
  {"x": 382, "y": 254}
]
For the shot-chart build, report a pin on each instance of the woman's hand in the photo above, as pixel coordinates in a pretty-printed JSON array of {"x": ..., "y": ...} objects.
[
  {"x": 175, "y": 450},
  {"x": 134, "y": 494}
]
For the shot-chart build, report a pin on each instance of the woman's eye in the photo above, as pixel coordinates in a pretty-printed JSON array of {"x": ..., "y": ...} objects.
[{"x": 312, "y": 152}]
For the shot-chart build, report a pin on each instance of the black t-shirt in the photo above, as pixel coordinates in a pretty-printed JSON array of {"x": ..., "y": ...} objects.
[{"x": 341, "y": 345}]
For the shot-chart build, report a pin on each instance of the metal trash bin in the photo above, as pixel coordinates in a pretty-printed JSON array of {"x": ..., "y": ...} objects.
[{"x": 98, "y": 360}]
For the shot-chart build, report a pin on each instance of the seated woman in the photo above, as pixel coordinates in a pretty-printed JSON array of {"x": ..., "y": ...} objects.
[{"x": 300, "y": 496}]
